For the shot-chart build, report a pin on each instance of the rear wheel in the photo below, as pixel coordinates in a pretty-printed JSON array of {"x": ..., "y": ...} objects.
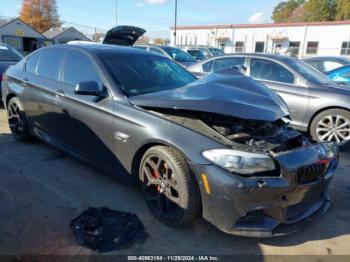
[
  {"x": 17, "y": 120},
  {"x": 332, "y": 125},
  {"x": 168, "y": 185}
]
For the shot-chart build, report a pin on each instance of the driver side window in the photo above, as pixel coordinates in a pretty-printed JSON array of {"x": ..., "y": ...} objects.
[
  {"x": 270, "y": 71},
  {"x": 79, "y": 68}
]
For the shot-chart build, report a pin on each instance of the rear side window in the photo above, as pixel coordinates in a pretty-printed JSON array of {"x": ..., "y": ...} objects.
[
  {"x": 79, "y": 68},
  {"x": 50, "y": 63},
  {"x": 226, "y": 63},
  {"x": 271, "y": 71},
  {"x": 32, "y": 63}
]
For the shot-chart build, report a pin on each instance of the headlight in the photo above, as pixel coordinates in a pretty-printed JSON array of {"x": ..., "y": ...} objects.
[{"x": 240, "y": 162}]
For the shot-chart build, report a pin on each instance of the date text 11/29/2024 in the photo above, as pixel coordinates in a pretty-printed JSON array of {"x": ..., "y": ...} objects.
[{"x": 173, "y": 258}]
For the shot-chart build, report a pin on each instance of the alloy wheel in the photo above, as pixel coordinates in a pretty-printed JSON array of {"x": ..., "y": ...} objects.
[
  {"x": 333, "y": 128},
  {"x": 14, "y": 119},
  {"x": 162, "y": 192}
]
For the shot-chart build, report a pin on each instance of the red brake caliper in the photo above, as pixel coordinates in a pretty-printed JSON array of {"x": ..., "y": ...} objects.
[{"x": 156, "y": 175}]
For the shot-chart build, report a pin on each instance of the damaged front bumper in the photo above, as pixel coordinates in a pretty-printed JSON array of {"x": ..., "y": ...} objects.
[{"x": 269, "y": 206}]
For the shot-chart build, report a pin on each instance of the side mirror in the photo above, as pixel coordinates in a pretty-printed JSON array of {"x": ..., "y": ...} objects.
[{"x": 89, "y": 88}]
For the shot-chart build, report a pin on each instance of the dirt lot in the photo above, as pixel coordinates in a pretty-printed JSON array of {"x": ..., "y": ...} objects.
[{"x": 41, "y": 190}]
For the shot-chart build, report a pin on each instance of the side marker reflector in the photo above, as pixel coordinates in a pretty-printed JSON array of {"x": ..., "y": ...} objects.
[{"x": 206, "y": 184}]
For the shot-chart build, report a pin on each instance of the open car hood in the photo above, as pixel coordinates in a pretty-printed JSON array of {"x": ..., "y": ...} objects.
[
  {"x": 226, "y": 93},
  {"x": 123, "y": 35}
]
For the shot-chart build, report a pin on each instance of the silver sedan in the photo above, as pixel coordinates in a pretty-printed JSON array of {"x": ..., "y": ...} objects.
[{"x": 317, "y": 105}]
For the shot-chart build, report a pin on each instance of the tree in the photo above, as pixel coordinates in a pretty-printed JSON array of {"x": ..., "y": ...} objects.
[
  {"x": 98, "y": 37},
  {"x": 298, "y": 14},
  {"x": 283, "y": 11},
  {"x": 159, "y": 41},
  {"x": 320, "y": 10},
  {"x": 343, "y": 10},
  {"x": 40, "y": 14}
]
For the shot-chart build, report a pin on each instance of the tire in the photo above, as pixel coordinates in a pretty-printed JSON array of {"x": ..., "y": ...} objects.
[
  {"x": 17, "y": 120},
  {"x": 171, "y": 193},
  {"x": 331, "y": 125}
]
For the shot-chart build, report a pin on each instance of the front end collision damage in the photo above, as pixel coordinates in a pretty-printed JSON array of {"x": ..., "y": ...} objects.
[
  {"x": 268, "y": 206},
  {"x": 264, "y": 204}
]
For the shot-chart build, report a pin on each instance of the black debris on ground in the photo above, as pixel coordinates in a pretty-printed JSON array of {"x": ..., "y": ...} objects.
[{"x": 104, "y": 230}]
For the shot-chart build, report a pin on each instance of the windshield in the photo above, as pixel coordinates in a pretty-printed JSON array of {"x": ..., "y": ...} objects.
[
  {"x": 216, "y": 51},
  {"x": 141, "y": 74},
  {"x": 9, "y": 54},
  {"x": 178, "y": 55},
  {"x": 309, "y": 72}
]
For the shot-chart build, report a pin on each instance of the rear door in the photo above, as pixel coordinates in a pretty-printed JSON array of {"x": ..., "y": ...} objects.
[
  {"x": 40, "y": 80},
  {"x": 86, "y": 121},
  {"x": 277, "y": 77}
]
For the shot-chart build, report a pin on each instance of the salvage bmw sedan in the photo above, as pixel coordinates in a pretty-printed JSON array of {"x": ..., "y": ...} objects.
[{"x": 220, "y": 145}]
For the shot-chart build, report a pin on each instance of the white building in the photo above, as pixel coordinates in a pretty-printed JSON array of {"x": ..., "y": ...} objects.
[{"x": 299, "y": 39}]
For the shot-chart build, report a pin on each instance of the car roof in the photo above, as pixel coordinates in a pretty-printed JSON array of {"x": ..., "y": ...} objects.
[
  {"x": 269, "y": 56},
  {"x": 95, "y": 48},
  {"x": 327, "y": 58},
  {"x": 150, "y": 45}
]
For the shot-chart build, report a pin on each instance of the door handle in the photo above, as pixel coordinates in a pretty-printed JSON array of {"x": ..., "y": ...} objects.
[{"x": 59, "y": 93}]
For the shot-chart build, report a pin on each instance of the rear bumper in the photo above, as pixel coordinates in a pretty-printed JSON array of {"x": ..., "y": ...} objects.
[{"x": 241, "y": 206}]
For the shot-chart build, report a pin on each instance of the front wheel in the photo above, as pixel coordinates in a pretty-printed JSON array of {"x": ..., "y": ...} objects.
[
  {"x": 17, "y": 120},
  {"x": 169, "y": 186},
  {"x": 332, "y": 125}
]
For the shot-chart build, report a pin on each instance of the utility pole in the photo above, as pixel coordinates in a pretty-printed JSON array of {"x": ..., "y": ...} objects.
[
  {"x": 175, "y": 27},
  {"x": 116, "y": 12}
]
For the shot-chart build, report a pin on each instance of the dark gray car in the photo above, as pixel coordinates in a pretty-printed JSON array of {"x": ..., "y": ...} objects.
[
  {"x": 317, "y": 105},
  {"x": 220, "y": 146}
]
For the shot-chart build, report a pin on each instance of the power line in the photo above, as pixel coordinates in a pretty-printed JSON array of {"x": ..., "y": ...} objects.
[
  {"x": 110, "y": 13},
  {"x": 86, "y": 26}
]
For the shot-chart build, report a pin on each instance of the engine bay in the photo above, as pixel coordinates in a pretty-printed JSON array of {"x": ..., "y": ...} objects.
[{"x": 256, "y": 135}]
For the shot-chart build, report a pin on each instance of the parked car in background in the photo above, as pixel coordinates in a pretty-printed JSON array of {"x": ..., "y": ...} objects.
[
  {"x": 219, "y": 145},
  {"x": 203, "y": 52},
  {"x": 317, "y": 105},
  {"x": 8, "y": 56},
  {"x": 327, "y": 63},
  {"x": 340, "y": 75},
  {"x": 173, "y": 53}
]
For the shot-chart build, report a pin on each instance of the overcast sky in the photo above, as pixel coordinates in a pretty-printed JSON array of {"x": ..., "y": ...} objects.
[{"x": 156, "y": 16}]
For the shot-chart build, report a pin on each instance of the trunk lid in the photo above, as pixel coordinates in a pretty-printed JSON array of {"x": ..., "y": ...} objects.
[{"x": 123, "y": 35}]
